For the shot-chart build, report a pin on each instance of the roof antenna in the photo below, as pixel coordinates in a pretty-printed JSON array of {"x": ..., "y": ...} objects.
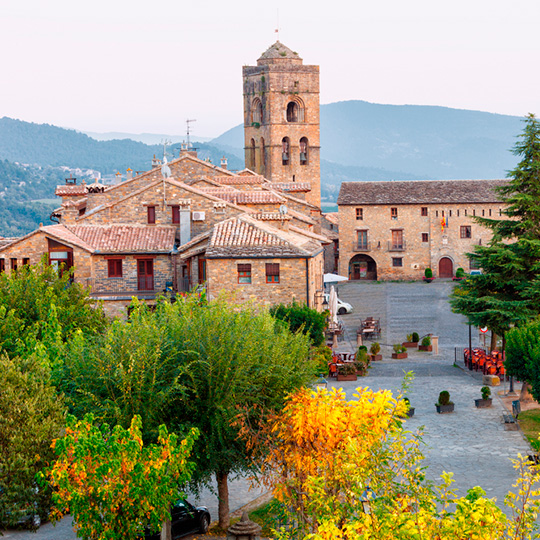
[
  {"x": 188, "y": 131},
  {"x": 165, "y": 169},
  {"x": 277, "y": 27}
]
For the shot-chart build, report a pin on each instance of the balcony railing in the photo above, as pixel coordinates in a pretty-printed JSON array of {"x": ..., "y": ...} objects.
[
  {"x": 361, "y": 246},
  {"x": 396, "y": 246}
]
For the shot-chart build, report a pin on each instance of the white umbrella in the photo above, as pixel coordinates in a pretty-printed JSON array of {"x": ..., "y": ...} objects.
[
  {"x": 332, "y": 305},
  {"x": 334, "y": 278}
]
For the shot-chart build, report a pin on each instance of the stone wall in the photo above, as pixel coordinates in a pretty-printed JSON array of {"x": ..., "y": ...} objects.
[{"x": 417, "y": 254}]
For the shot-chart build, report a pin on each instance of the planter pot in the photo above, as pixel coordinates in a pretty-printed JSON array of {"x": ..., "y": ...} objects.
[
  {"x": 428, "y": 279},
  {"x": 483, "y": 403},
  {"x": 410, "y": 412},
  {"x": 442, "y": 409},
  {"x": 346, "y": 377},
  {"x": 361, "y": 373},
  {"x": 375, "y": 357},
  {"x": 399, "y": 356},
  {"x": 428, "y": 348},
  {"x": 410, "y": 344}
]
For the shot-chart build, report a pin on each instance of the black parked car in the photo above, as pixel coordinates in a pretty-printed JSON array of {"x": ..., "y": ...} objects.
[{"x": 186, "y": 519}]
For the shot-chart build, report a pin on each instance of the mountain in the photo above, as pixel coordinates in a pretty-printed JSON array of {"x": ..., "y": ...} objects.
[
  {"x": 400, "y": 142},
  {"x": 146, "y": 138}
]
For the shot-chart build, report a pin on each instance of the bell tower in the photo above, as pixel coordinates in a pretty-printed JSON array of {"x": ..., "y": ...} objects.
[{"x": 281, "y": 119}]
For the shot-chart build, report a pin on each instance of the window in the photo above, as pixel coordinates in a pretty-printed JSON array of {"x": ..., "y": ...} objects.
[
  {"x": 397, "y": 239},
  {"x": 436, "y": 213},
  {"x": 256, "y": 112},
  {"x": 393, "y": 213},
  {"x": 423, "y": 211},
  {"x": 2, "y": 265},
  {"x": 272, "y": 272},
  {"x": 362, "y": 239},
  {"x": 303, "y": 151},
  {"x": 450, "y": 213},
  {"x": 500, "y": 211},
  {"x": 490, "y": 212},
  {"x": 442, "y": 213},
  {"x": 26, "y": 261},
  {"x": 285, "y": 148},
  {"x": 114, "y": 268},
  {"x": 292, "y": 112},
  {"x": 473, "y": 264},
  {"x": 13, "y": 264},
  {"x": 252, "y": 156},
  {"x": 474, "y": 212},
  {"x": 151, "y": 212},
  {"x": 359, "y": 213},
  {"x": 465, "y": 211},
  {"x": 397, "y": 261},
  {"x": 176, "y": 214},
  {"x": 457, "y": 213},
  {"x": 244, "y": 273},
  {"x": 425, "y": 237},
  {"x": 483, "y": 212},
  {"x": 465, "y": 231},
  {"x": 263, "y": 154}
]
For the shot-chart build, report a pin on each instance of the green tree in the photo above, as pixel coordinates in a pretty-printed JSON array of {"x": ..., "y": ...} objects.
[
  {"x": 301, "y": 318},
  {"x": 31, "y": 416},
  {"x": 192, "y": 364},
  {"x": 501, "y": 296},
  {"x": 111, "y": 483}
]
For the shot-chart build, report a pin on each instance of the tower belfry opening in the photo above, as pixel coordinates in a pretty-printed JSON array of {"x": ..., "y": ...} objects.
[{"x": 281, "y": 119}]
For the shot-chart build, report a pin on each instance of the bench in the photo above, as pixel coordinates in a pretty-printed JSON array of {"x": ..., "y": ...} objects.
[{"x": 510, "y": 420}]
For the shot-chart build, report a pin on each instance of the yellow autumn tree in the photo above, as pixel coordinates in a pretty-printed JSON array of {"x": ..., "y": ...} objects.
[{"x": 348, "y": 469}]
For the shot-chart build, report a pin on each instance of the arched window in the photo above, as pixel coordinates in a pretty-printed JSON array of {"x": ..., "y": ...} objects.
[
  {"x": 292, "y": 112},
  {"x": 252, "y": 156},
  {"x": 263, "y": 157},
  {"x": 286, "y": 150},
  {"x": 256, "y": 111},
  {"x": 304, "y": 149}
]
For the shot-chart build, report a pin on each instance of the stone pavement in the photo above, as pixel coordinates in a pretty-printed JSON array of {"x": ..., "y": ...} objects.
[{"x": 470, "y": 442}]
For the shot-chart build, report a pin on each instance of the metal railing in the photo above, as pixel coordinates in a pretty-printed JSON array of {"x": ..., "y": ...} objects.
[
  {"x": 361, "y": 246},
  {"x": 397, "y": 246}
]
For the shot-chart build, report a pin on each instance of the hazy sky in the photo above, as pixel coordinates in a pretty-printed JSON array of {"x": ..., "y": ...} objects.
[{"x": 146, "y": 66}]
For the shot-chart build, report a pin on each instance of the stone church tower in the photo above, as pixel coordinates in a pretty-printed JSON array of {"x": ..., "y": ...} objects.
[{"x": 281, "y": 119}]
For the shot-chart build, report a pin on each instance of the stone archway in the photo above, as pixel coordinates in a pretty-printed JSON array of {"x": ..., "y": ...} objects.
[
  {"x": 446, "y": 267},
  {"x": 362, "y": 267}
]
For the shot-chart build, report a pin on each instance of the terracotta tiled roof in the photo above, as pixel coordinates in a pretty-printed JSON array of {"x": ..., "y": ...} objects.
[
  {"x": 6, "y": 241},
  {"x": 332, "y": 217},
  {"x": 71, "y": 191},
  {"x": 245, "y": 197},
  {"x": 271, "y": 216},
  {"x": 239, "y": 179},
  {"x": 127, "y": 238},
  {"x": 290, "y": 187},
  {"x": 420, "y": 192}
]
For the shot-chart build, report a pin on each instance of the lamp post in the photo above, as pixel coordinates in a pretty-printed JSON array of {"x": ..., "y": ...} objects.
[{"x": 469, "y": 359}]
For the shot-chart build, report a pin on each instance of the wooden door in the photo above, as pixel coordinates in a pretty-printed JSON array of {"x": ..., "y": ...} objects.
[
  {"x": 355, "y": 270},
  {"x": 145, "y": 274},
  {"x": 446, "y": 268}
]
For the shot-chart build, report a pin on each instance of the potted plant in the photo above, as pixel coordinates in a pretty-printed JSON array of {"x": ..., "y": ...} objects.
[
  {"x": 428, "y": 275},
  {"x": 375, "y": 349},
  {"x": 486, "y": 401},
  {"x": 410, "y": 410},
  {"x": 361, "y": 362},
  {"x": 411, "y": 343},
  {"x": 425, "y": 345},
  {"x": 400, "y": 352},
  {"x": 444, "y": 405},
  {"x": 460, "y": 274},
  {"x": 347, "y": 372}
]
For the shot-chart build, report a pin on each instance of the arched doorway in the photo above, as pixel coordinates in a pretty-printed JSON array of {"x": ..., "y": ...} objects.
[
  {"x": 362, "y": 267},
  {"x": 446, "y": 268}
]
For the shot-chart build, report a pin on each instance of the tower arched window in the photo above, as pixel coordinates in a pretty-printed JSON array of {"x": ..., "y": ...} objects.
[
  {"x": 292, "y": 111},
  {"x": 252, "y": 156},
  {"x": 286, "y": 150},
  {"x": 256, "y": 112},
  {"x": 304, "y": 151},
  {"x": 263, "y": 157}
]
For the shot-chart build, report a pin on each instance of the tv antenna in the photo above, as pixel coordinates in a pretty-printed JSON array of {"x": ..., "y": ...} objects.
[
  {"x": 188, "y": 121},
  {"x": 277, "y": 26}
]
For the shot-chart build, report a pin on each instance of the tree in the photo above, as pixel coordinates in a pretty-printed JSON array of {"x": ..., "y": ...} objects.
[
  {"x": 112, "y": 484},
  {"x": 501, "y": 297},
  {"x": 31, "y": 416},
  {"x": 301, "y": 318},
  {"x": 347, "y": 469},
  {"x": 191, "y": 364}
]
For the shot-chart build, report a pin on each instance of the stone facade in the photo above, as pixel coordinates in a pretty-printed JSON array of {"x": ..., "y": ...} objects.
[
  {"x": 399, "y": 241},
  {"x": 281, "y": 119}
]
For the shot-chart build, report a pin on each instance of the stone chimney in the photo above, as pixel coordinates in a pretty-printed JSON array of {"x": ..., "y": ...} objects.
[
  {"x": 223, "y": 163},
  {"x": 118, "y": 177},
  {"x": 155, "y": 162},
  {"x": 186, "y": 148},
  {"x": 69, "y": 213},
  {"x": 129, "y": 174}
]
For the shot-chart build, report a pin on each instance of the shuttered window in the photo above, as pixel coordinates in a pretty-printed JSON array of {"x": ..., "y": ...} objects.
[
  {"x": 272, "y": 273},
  {"x": 244, "y": 273}
]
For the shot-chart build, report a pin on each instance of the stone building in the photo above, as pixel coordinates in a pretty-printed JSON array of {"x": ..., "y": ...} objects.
[
  {"x": 395, "y": 230},
  {"x": 281, "y": 120}
]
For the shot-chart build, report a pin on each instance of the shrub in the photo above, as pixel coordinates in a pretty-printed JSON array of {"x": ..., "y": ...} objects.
[
  {"x": 349, "y": 368},
  {"x": 399, "y": 348},
  {"x": 362, "y": 348},
  {"x": 361, "y": 354},
  {"x": 428, "y": 273},
  {"x": 321, "y": 356},
  {"x": 361, "y": 363},
  {"x": 486, "y": 392},
  {"x": 301, "y": 318},
  {"x": 415, "y": 337},
  {"x": 460, "y": 272},
  {"x": 375, "y": 348},
  {"x": 409, "y": 338},
  {"x": 444, "y": 398},
  {"x": 426, "y": 341}
]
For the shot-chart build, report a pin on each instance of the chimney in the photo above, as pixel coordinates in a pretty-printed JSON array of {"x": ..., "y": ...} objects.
[
  {"x": 155, "y": 162},
  {"x": 224, "y": 163},
  {"x": 118, "y": 177},
  {"x": 129, "y": 174},
  {"x": 71, "y": 181},
  {"x": 186, "y": 148}
]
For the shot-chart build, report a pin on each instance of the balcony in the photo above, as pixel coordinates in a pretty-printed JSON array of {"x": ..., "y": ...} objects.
[
  {"x": 361, "y": 246},
  {"x": 396, "y": 246}
]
